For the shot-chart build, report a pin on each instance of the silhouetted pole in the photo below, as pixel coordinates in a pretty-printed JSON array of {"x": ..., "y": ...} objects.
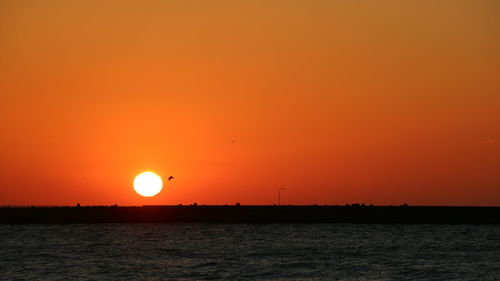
[{"x": 279, "y": 195}]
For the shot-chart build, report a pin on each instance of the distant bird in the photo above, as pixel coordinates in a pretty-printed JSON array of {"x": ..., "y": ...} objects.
[{"x": 171, "y": 178}]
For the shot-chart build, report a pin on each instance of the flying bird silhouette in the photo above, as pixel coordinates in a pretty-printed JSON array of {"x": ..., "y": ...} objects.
[{"x": 171, "y": 178}]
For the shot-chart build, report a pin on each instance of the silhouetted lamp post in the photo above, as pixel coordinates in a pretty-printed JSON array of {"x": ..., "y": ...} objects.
[{"x": 279, "y": 195}]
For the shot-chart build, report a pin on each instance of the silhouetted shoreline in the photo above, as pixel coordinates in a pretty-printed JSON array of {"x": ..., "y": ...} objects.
[{"x": 252, "y": 214}]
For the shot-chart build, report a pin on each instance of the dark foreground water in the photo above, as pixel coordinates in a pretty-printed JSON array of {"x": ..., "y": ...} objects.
[{"x": 249, "y": 252}]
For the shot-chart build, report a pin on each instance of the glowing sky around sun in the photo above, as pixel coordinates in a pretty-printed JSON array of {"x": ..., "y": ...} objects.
[{"x": 381, "y": 102}]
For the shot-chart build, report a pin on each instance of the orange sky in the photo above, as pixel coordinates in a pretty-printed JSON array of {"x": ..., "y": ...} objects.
[{"x": 381, "y": 102}]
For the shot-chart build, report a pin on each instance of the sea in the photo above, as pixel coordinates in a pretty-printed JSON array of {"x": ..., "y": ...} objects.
[{"x": 201, "y": 251}]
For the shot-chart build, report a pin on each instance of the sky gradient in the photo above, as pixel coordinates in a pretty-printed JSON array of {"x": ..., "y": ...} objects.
[{"x": 381, "y": 102}]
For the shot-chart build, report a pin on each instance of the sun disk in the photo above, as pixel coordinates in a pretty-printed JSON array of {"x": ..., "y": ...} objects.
[{"x": 148, "y": 184}]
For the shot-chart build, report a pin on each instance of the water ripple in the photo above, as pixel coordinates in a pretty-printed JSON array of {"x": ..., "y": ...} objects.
[{"x": 249, "y": 252}]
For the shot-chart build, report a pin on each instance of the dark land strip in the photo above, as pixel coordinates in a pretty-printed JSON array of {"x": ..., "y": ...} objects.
[{"x": 252, "y": 214}]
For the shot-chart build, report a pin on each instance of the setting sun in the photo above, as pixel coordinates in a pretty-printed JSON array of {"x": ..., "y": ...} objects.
[{"x": 148, "y": 184}]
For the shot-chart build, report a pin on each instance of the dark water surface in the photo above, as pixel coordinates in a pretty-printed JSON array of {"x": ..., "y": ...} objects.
[{"x": 249, "y": 252}]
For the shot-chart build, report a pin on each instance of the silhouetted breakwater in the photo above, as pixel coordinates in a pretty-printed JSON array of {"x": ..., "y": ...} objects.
[{"x": 252, "y": 214}]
